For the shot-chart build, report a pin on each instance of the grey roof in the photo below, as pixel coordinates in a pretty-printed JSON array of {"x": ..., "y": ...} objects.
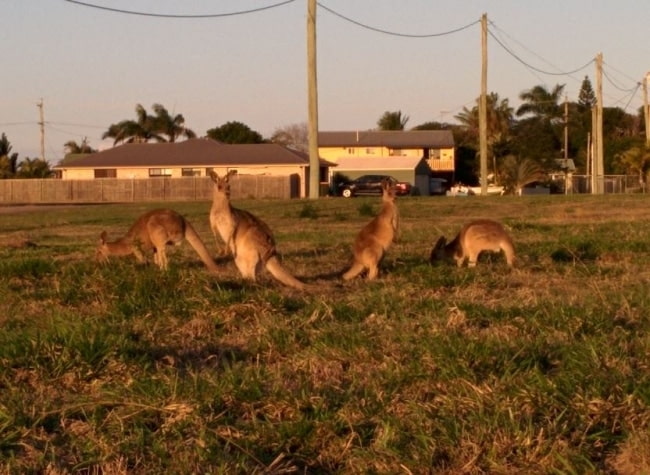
[
  {"x": 388, "y": 138},
  {"x": 203, "y": 152}
]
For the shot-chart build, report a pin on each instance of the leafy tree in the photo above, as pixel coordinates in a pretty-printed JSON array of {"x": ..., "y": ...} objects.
[
  {"x": 141, "y": 130},
  {"x": 8, "y": 160},
  {"x": 433, "y": 125},
  {"x": 294, "y": 136},
  {"x": 235, "y": 132},
  {"x": 172, "y": 127},
  {"x": 72, "y": 147},
  {"x": 536, "y": 139},
  {"x": 34, "y": 168},
  {"x": 392, "y": 121}
]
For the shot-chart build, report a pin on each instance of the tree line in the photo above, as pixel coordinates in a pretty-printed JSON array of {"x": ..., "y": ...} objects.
[
  {"x": 528, "y": 140},
  {"x": 523, "y": 144}
]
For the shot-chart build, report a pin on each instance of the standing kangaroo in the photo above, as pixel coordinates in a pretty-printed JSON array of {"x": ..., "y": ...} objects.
[
  {"x": 375, "y": 238},
  {"x": 475, "y": 237},
  {"x": 248, "y": 238},
  {"x": 152, "y": 232}
]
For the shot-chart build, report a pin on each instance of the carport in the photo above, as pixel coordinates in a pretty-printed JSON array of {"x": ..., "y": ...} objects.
[{"x": 414, "y": 170}]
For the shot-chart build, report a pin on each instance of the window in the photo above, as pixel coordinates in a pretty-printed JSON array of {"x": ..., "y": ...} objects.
[
  {"x": 160, "y": 172},
  {"x": 190, "y": 172},
  {"x": 105, "y": 173}
]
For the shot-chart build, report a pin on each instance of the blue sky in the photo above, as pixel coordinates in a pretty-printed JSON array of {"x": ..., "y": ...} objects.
[{"x": 91, "y": 67}]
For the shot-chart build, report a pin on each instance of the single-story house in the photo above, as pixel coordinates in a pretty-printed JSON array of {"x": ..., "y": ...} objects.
[
  {"x": 436, "y": 147},
  {"x": 193, "y": 157},
  {"x": 411, "y": 169}
]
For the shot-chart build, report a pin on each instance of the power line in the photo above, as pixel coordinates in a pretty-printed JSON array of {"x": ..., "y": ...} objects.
[
  {"x": 530, "y": 66},
  {"x": 611, "y": 81},
  {"x": 170, "y": 15},
  {"x": 394, "y": 33}
]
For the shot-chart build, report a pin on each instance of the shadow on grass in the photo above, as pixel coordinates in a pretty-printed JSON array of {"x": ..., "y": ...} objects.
[{"x": 210, "y": 355}]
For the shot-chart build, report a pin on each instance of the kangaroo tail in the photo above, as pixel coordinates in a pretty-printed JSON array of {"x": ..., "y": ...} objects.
[
  {"x": 278, "y": 271},
  {"x": 195, "y": 241}
]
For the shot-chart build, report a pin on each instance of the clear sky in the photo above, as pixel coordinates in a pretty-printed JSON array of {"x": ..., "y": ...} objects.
[{"x": 91, "y": 66}]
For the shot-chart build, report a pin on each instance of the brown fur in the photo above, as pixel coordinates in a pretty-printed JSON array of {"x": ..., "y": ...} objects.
[
  {"x": 375, "y": 238},
  {"x": 475, "y": 237},
  {"x": 248, "y": 238},
  {"x": 152, "y": 232}
]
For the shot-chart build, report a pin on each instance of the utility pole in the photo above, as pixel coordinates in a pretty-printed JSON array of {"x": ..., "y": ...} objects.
[
  {"x": 41, "y": 123},
  {"x": 566, "y": 128},
  {"x": 482, "y": 108},
  {"x": 646, "y": 109},
  {"x": 312, "y": 128},
  {"x": 598, "y": 168}
]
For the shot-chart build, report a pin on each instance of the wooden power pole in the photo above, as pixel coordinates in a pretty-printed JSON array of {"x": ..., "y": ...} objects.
[
  {"x": 646, "y": 109},
  {"x": 566, "y": 128},
  {"x": 482, "y": 108},
  {"x": 598, "y": 167},
  {"x": 41, "y": 123},
  {"x": 312, "y": 128}
]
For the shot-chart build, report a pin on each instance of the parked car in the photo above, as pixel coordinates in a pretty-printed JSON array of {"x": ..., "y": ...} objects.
[{"x": 371, "y": 185}]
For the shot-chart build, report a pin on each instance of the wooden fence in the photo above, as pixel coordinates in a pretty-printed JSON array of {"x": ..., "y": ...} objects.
[{"x": 116, "y": 190}]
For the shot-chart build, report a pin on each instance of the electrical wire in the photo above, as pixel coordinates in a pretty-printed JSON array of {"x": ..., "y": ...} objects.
[
  {"x": 611, "y": 81},
  {"x": 530, "y": 66},
  {"x": 170, "y": 15},
  {"x": 394, "y": 33}
]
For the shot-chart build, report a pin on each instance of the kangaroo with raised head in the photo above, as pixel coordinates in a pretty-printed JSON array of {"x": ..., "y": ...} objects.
[
  {"x": 248, "y": 238},
  {"x": 474, "y": 237},
  {"x": 375, "y": 238},
  {"x": 152, "y": 232}
]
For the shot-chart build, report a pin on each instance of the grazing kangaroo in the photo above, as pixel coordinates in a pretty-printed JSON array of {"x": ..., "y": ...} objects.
[
  {"x": 375, "y": 238},
  {"x": 248, "y": 238},
  {"x": 475, "y": 237},
  {"x": 152, "y": 232}
]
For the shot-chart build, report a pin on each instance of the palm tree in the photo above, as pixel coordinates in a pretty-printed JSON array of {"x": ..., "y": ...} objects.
[
  {"x": 636, "y": 160},
  {"x": 34, "y": 168},
  {"x": 392, "y": 121},
  {"x": 172, "y": 127},
  {"x": 499, "y": 123},
  {"x": 72, "y": 147},
  {"x": 542, "y": 103},
  {"x": 519, "y": 173},
  {"x": 8, "y": 160},
  {"x": 140, "y": 130}
]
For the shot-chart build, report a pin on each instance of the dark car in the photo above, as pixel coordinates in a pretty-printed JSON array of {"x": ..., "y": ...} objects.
[{"x": 371, "y": 185}]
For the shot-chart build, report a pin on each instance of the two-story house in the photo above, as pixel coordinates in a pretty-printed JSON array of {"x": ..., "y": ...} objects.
[{"x": 414, "y": 156}]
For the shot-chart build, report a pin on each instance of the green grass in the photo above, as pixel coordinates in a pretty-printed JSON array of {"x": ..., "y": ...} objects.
[{"x": 120, "y": 368}]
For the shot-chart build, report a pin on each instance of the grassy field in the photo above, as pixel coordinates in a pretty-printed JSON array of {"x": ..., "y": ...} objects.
[{"x": 121, "y": 368}]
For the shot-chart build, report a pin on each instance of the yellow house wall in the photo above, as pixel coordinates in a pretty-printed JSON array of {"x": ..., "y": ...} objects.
[
  {"x": 129, "y": 173},
  {"x": 333, "y": 154},
  {"x": 75, "y": 174}
]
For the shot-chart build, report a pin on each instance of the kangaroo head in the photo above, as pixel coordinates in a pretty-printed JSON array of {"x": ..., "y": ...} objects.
[
  {"x": 388, "y": 190},
  {"x": 438, "y": 251},
  {"x": 222, "y": 183},
  {"x": 101, "y": 252}
]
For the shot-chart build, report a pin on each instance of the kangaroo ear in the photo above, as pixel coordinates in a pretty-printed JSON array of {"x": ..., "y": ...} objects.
[
  {"x": 214, "y": 176},
  {"x": 231, "y": 173},
  {"x": 102, "y": 237}
]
